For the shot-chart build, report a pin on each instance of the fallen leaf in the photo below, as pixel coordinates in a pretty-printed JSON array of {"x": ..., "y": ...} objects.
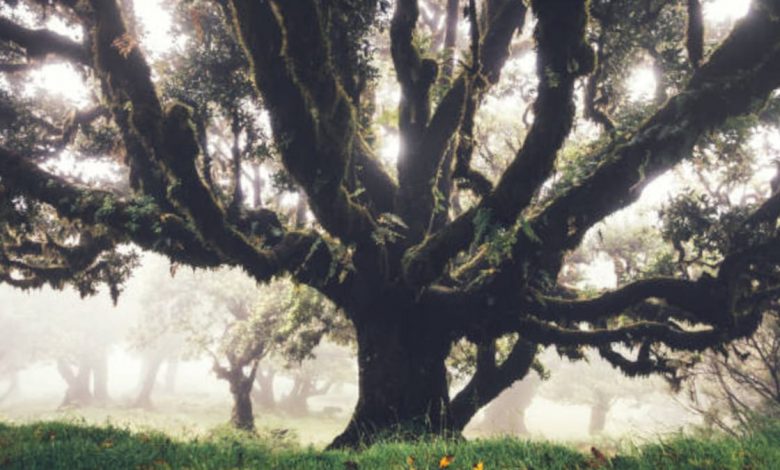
[
  {"x": 446, "y": 461},
  {"x": 599, "y": 459}
]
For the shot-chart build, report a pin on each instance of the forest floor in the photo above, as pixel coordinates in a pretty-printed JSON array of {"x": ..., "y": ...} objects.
[
  {"x": 72, "y": 445},
  {"x": 181, "y": 417}
]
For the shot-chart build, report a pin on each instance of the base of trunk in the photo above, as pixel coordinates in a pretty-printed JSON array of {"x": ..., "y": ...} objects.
[
  {"x": 242, "y": 416},
  {"x": 365, "y": 433},
  {"x": 404, "y": 393}
]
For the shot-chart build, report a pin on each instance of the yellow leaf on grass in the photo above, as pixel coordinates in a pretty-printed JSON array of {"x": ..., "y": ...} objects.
[
  {"x": 478, "y": 466},
  {"x": 446, "y": 461}
]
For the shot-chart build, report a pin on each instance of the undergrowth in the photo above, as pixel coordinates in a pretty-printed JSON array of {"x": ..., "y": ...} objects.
[{"x": 69, "y": 445}]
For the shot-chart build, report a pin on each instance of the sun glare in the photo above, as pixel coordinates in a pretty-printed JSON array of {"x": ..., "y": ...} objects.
[
  {"x": 721, "y": 11},
  {"x": 641, "y": 84},
  {"x": 60, "y": 81},
  {"x": 391, "y": 145},
  {"x": 156, "y": 21}
]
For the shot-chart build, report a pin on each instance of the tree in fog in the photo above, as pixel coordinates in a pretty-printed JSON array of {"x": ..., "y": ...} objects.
[
  {"x": 506, "y": 413},
  {"x": 412, "y": 262},
  {"x": 223, "y": 316},
  {"x": 738, "y": 387},
  {"x": 71, "y": 334},
  {"x": 219, "y": 315},
  {"x": 14, "y": 356},
  {"x": 327, "y": 368}
]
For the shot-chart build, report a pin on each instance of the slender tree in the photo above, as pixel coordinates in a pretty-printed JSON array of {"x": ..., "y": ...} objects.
[{"x": 411, "y": 275}]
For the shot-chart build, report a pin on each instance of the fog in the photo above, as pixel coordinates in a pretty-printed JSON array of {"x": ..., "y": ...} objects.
[{"x": 46, "y": 333}]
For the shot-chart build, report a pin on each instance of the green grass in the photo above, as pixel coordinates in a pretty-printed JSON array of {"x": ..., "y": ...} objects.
[{"x": 71, "y": 445}]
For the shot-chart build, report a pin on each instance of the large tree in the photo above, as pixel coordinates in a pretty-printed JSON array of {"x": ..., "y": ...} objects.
[{"x": 412, "y": 273}]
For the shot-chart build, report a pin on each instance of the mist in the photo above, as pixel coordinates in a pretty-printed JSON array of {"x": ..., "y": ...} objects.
[{"x": 48, "y": 334}]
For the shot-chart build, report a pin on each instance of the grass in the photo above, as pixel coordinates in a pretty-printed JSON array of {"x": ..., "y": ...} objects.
[
  {"x": 73, "y": 445},
  {"x": 185, "y": 416}
]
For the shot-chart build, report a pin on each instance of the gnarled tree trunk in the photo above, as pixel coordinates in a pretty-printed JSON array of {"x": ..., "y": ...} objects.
[
  {"x": 77, "y": 379},
  {"x": 242, "y": 417},
  {"x": 402, "y": 381}
]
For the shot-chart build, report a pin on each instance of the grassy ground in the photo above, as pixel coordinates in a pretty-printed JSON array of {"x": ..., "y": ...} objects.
[
  {"x": 69, "y": 445},
  {"x": 182, "y": 417}
]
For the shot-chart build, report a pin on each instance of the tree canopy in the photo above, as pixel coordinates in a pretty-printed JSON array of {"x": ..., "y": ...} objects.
[{"x": 450, "y": 243}]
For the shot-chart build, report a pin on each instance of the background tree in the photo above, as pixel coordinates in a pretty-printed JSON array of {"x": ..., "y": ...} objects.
[
  {"x": 506, "y": 413},
  {"x": 221, "y": 314},
  {"x": 330, "y": 366},
  {"x": 411, "y": 275},
  {"x": 738, "y": 388}
]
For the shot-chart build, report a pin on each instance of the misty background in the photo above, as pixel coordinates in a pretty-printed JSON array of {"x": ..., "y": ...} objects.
[{"x": 48, "y": 334}]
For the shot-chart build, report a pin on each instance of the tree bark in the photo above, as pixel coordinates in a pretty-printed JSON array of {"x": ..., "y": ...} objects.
[
  {"x": 402, "y": 380},
  {"x": 242, "y": 417}
]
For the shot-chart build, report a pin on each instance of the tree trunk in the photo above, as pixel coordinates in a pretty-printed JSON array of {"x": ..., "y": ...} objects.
[
  {"x": 598, "y": 414},
  {"x": 149, "y": 370},
  {"x": 506, "y": 414},
  {"x": 78, "y": 392},
  {"x": 296, "y": 402},
  {"x": 402, "y": 381},
  {"x": 242, "y": 416},
  {"x": 263, "y": 393}
]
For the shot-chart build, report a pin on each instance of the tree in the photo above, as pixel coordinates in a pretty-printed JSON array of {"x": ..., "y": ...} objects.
[
  {"x": 220, "y": 315},
  {"x": 737, "y": 388},
  {"x": 506, "y": 413},
  {"x": 74, "y": 334},
  {"x": 410, "y": 274},
  {"x": 329, "y": 367}
]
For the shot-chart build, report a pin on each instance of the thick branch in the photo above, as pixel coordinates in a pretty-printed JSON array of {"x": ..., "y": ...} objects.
[
  {"x": 490, "y": 379},
  {"x": 702, "y": 301},
  {"x": 126, "y": 80},
  {"x": 39, "y": 43},
  {"x": 737, "y": 79},
  {"x": 311, "y": 115},
  {"x": 695, "y": 35},
  {"x": 563, "y": 56},
  {"x": 138, "y": 220}
]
